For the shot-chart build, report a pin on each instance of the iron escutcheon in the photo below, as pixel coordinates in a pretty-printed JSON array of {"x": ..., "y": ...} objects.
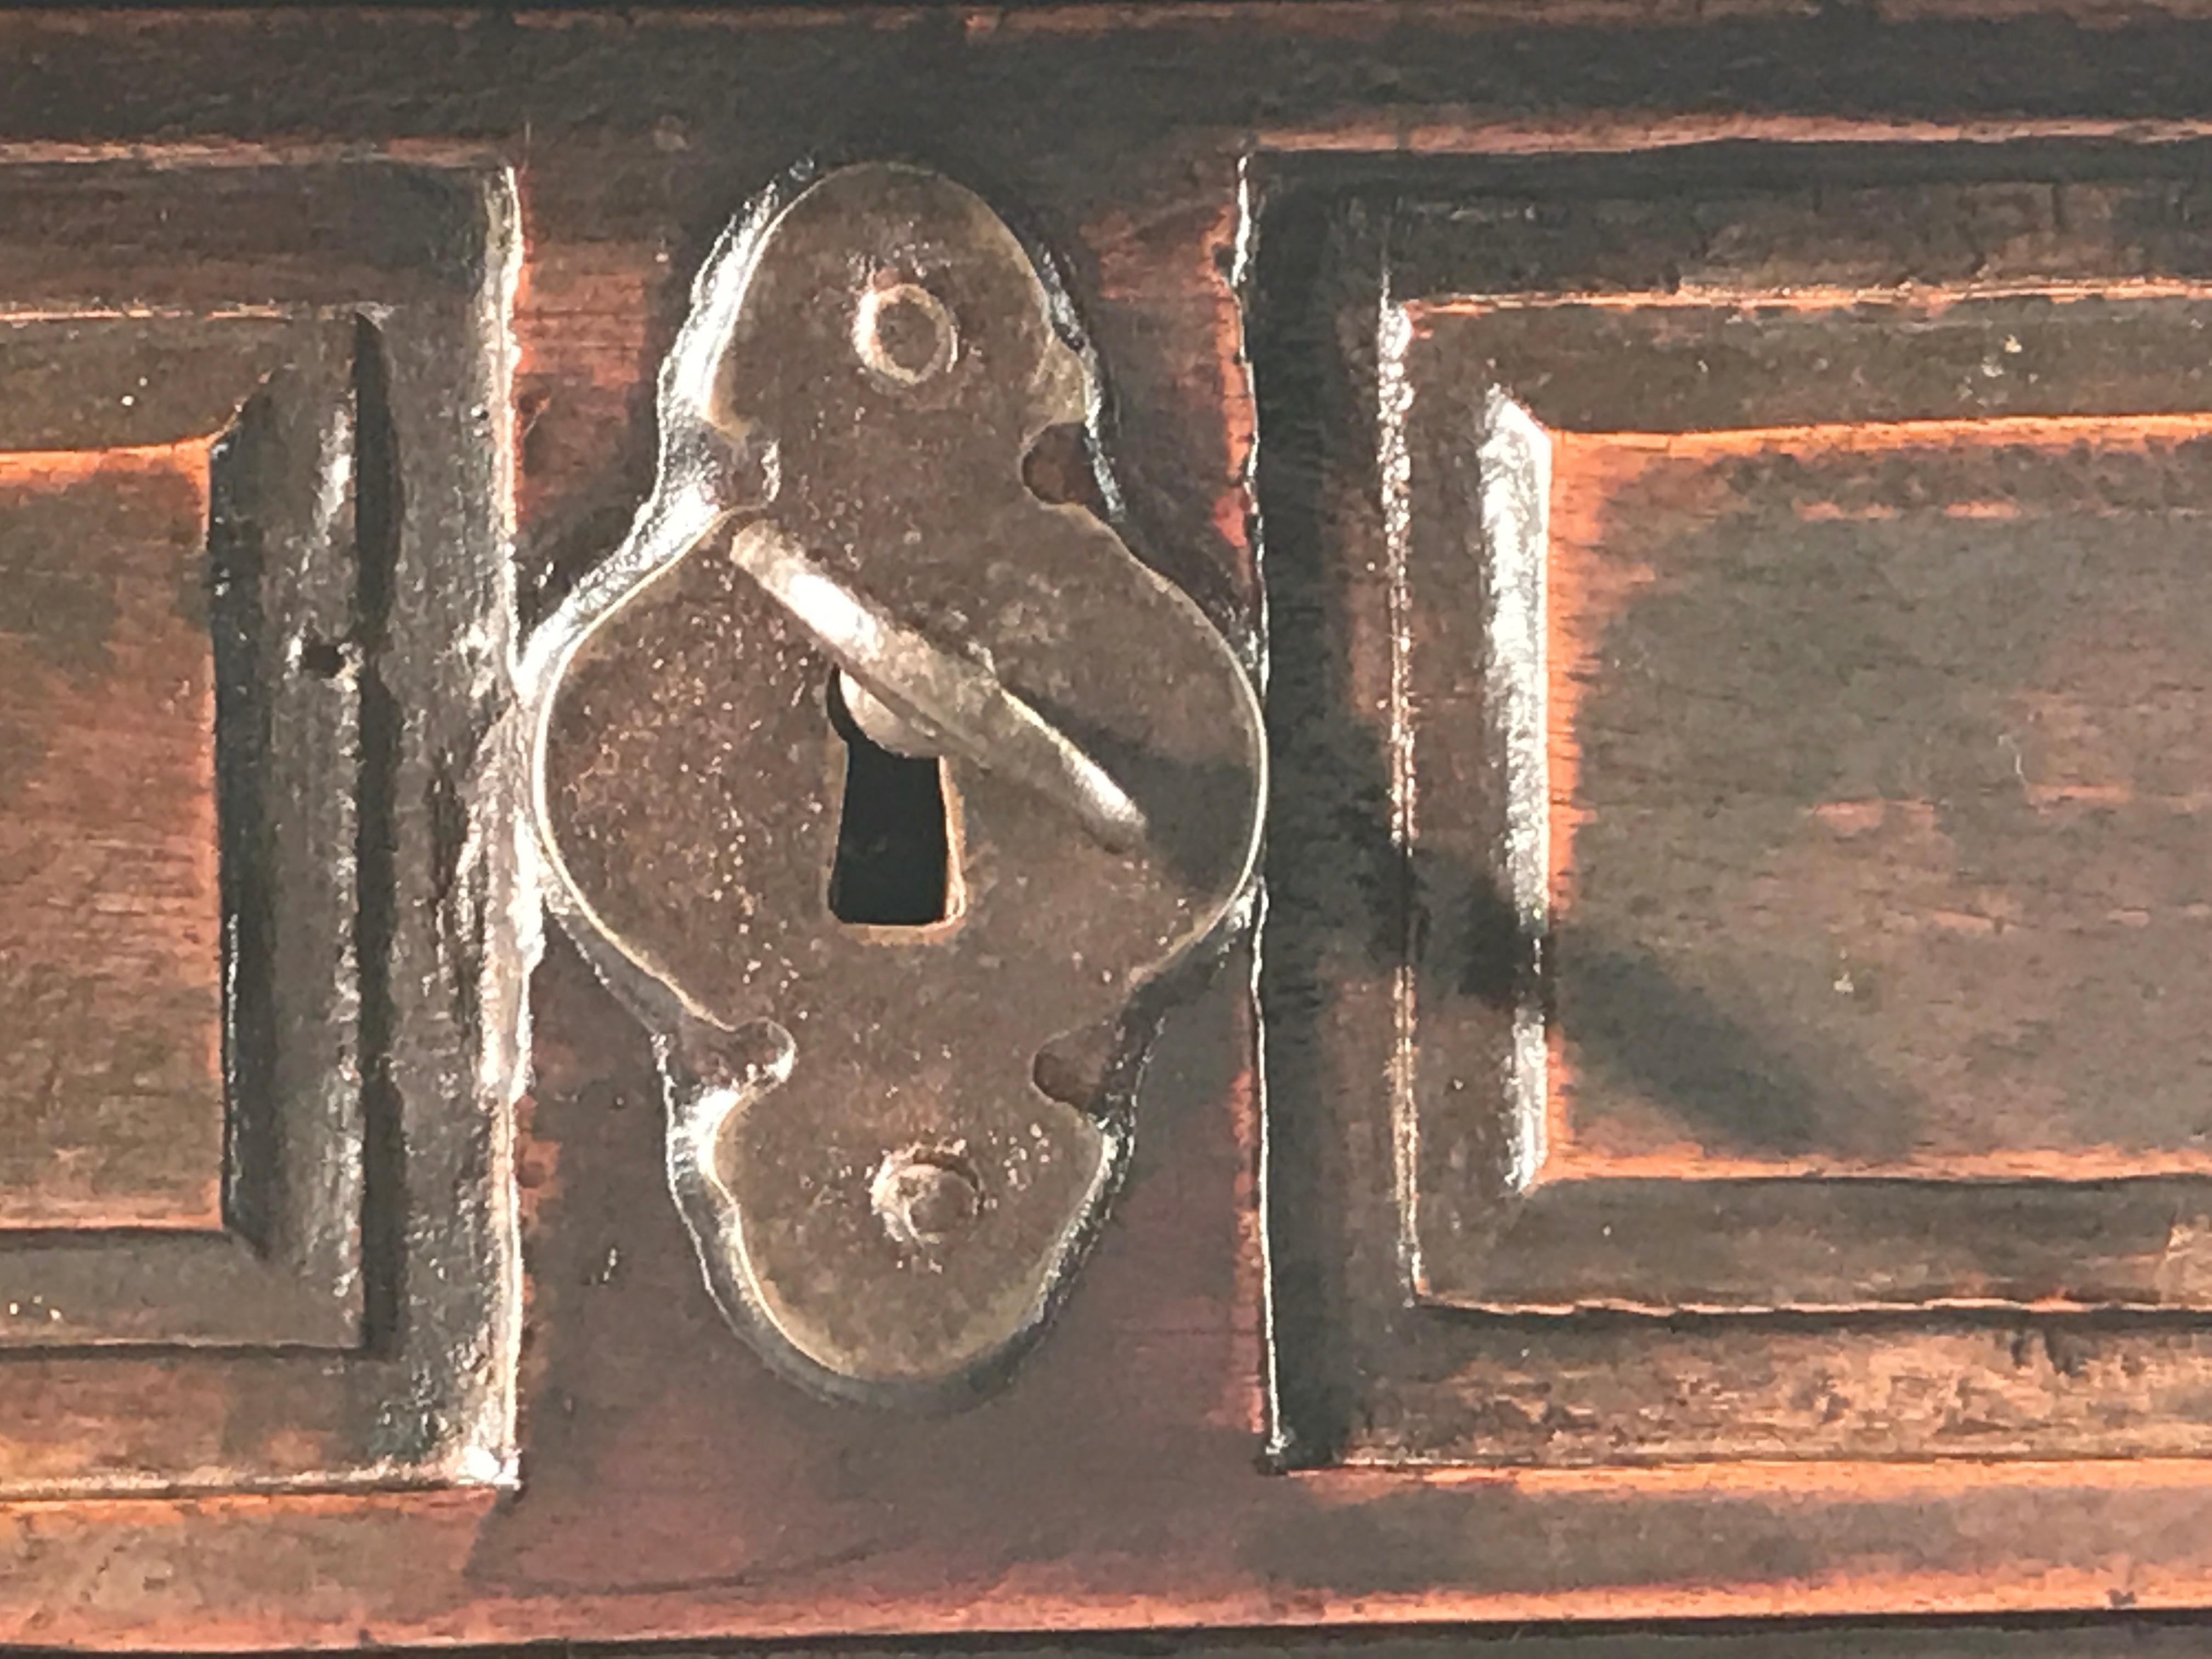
[{"x": 891, "y": 1144}]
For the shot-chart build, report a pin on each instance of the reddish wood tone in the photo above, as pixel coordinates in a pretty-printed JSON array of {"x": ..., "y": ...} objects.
[
  {"x": 227, "y": 444},
  {"x": 671, "y": 1486},
  {"x": 110, "y": 1089},
  {"x": 1966, "y": 552},
  {"x": 2018, "y": 586},
  {"x": 1901, "y": 1227}
]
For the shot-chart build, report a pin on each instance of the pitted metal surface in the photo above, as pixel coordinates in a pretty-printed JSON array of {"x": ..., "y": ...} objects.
[{"x": 891, "y": 1144}]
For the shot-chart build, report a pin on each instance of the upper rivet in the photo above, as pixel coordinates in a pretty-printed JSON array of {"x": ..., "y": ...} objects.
[{"x": 903, "y": 333}]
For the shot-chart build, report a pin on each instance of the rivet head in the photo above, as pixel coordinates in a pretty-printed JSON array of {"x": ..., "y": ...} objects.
[
  {"x": 903, "y": 333},
  {"x": 924, "y": 1197}
]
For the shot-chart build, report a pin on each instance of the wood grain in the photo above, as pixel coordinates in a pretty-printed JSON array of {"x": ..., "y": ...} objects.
[
  {"x": 1952, "y": 566},
  {"x": 670, "y": 1489},
  {"x": 1939, "y": 733},
  {"x": 111, "y": 1088},
  {"x": 225, "y": 653},
  {"x": 1658, "y": 1228}
]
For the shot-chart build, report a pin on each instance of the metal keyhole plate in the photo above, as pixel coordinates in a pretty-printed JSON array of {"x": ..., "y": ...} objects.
[{"x": 884, "y": 1198}]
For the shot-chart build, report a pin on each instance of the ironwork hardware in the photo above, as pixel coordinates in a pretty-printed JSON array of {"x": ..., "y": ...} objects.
[{"x": 891, "y": 1144}]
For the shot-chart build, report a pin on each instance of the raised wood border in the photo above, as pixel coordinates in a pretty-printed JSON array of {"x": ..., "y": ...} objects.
[
  {"x": 333, "y": 333},
  {"x": 1641, "y": 260},
  {"x": 670, "y": 1492},
  {"x": 285, "y": 1269}
]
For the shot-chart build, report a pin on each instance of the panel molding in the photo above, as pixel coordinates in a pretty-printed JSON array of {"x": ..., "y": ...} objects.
[
  {"x": 331, "y": 338},
  {"x": 284, "y": 1266},
  {"x": 1448, "y": 1286}
]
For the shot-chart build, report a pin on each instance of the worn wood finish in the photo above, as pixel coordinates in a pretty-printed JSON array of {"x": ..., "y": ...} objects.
[
  {"x": 1811, "y": 912},
  {"x": 118, "y": 1014},
  {"x": 1976, "y": 767},
  {"x": 205, "y": 473},
  {"x": 1877, "y": 628},
  {"x": 671, "y": 1486},
  {"x": 111, "y": 1102}
]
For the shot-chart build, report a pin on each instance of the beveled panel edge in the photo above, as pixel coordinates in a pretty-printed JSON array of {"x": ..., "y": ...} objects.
[
  {"x": 445, "y": 940},
  {"x": 1361, "y": 1375},
  {"x": 287, "y": 1270}
]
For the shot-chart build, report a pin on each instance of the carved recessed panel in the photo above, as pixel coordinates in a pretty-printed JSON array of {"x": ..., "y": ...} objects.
[
  {"x": 1857, "y": 763},
  {"x": 111, "y": 1043},
  {"x": 1771, "y": 637},
  {"x": 185, "y": 1009},
  {"x": 257, "y": 984}
]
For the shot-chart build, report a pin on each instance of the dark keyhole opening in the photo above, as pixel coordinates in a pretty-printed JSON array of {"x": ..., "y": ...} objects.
[{"x": 894, "y": 850}]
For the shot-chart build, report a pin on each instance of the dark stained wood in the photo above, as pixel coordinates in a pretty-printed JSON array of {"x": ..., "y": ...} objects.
[
  {"x": 1701, "y": 228},
  {"x": 207, "y": 510},
  {"x": 1973, "y": 765},
  {"x": 1811, "y": 911},
  {"x": 111, "y": 1090},
  {"x": 117, "y": 1017},
  {"x": 670, "y": 1487},
  {"x": 1878, "y": 630},
  {"x": 1690, "y": 368},
  {"x": 237, "y": 237}
]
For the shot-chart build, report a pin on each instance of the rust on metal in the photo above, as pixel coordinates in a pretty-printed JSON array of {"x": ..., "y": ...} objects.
[{"x": 891, "y": 1132}]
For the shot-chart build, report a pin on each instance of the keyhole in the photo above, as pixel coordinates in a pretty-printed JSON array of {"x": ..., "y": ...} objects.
[{"x": 894, "y": 845}]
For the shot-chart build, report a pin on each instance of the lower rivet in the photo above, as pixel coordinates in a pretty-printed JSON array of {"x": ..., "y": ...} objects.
[{"x": 924, "y": 1197}]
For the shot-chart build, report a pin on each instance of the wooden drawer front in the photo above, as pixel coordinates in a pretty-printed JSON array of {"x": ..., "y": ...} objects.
[
  {"x": 241, "y": 506},
  {"x": 1787, "y": 613},
  {"x": 1900, "y": 1310}
]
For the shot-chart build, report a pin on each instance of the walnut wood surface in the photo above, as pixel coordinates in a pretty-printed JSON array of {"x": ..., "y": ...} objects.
[
  {"x": 1870, "y": 722},
  {"x": 216, "y": 692},
  {"x": 671, "y": 1487},
  {"x": 111, "y": 1100}
]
